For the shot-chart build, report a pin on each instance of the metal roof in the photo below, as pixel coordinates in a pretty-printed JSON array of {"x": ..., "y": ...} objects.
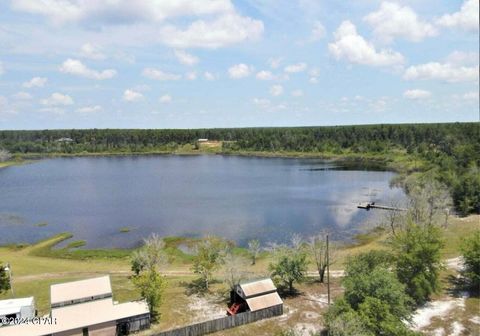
[
  {"x": 75, "y": 290},
  {"x": 257, "y": 287},
  {"x": 13, "y": 306},
  {"x": 264, "y": 301},
  {"x": 78, "y": 316}
]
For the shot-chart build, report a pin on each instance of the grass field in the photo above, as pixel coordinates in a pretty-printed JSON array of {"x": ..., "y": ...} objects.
[{"x": 36, "y": 267}]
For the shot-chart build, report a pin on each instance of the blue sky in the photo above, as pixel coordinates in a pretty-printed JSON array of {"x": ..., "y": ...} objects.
[{"x": 223, "y": 63}]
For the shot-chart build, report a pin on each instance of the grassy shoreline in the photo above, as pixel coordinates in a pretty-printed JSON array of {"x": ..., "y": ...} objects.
[
  {"x": 398, "y": 161},
  {"x": 37, "y": 266}
]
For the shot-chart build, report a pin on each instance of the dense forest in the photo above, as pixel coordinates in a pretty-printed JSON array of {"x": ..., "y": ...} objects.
[{"x": 451, "y": 150}]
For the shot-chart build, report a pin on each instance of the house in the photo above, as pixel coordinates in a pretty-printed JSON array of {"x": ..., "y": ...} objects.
[
  {"x": 65, "y": 140},
  {"x": 253, "y": 296},
  {"x": 85, "y": 307},
  {"x": 17, "y": 308},
  {"x": 202, "y": 140}
]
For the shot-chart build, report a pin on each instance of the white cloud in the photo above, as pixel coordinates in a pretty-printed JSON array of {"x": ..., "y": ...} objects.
[
  {"x": 22, "y": 96},
  {"x": 6, "y": 109},
  {"x": 132, "y": 96},
  {"x": 379, "y": 105},
  {"x": 57, "y": 99},
  {"x": 77, "y": 68},
  {"x": 466, "y": 18},
  {"x": 225, "y": 30},
  {"x": 35, "y": 82},
  {"x": 392, "y": 20},
  {"x": 54, "y": 109},
  {"x": 91, "y": 51},
  {"x": 265, "y": 75},
  {"x": 293, "y": 68},
  {"x": 314, "y": 72},
  {"x": 355, "y": 49},
  {"x": 473, "y": 95},
  {"x": 159, "y": 74},
  {"x": 186, "y": 58},
  {"x": 238, "y": 71},
  {"x": 192, "y": 75},
  {"x": 2, "y": 70},
  {"x": 119, "y": 11},
  {"x": 274, "y": 62},
  {"x": 90, "y": 109},
  {"x": 463, "y": 58},
  {"x": 276, "y": 90},
  {"x": 417, "y": 94},
  {"x": 318, "y": 31},
  {"x": 165, "y": 99},
  {"x": 441, "y": 71},
  {"x": 297, "y": 93},
  {"x": 262, "y": 102},
  {"x": 209, "y": 76}
]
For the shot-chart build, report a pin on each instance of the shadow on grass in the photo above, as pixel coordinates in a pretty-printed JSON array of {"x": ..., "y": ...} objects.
[
  {"x": 285, "y": 293},
  {"x": 459, "y": 285},
  {"x": 197, "y": 286}
]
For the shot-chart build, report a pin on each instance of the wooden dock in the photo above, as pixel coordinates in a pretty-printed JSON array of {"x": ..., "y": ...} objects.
[{"x": 372, "y": 205}]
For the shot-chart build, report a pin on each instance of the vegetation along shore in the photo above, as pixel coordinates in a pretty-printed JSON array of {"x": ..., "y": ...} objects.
[{"x": 449, "y": 152}]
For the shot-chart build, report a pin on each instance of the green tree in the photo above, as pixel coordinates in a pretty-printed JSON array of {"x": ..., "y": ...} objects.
[
  {"x": 254, "y": 249},
  {"x": 471, "y": 255},
  {"x": 210, "y": 252},
  {"x": 368, "y": 276},
  {"x": 348, "y": 324},
  {"x": 4, "y": 279},
  {"x": 417, "y": 259},
  {"x": 374, "y": 301},
  {"x": 151, "y": 286},
  {"x": 317, "y": 247},
  {"x": 290, "y": 267},
  {"x": 233, "y": 269},
  {"x": 150, "y": 256}
]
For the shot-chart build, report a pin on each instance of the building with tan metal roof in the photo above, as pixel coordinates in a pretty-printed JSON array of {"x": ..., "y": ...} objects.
[
  {"x": 85, "y": 307},
  {"x": 254, "y": 295}
]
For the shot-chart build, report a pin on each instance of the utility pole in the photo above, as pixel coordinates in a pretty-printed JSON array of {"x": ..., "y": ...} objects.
[{"x": 328, "y": 273}]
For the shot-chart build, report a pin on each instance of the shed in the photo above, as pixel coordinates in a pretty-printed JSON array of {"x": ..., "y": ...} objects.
[
  {"x": 83, "y": 307},
  {"x": 17, "y": 308},
  {"x": 254, "y": 295},
  {"x": 69, "y": 293}
]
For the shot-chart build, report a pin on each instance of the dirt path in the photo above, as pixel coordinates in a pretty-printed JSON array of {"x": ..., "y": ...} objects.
[
  {"x": 454, "y": 263},
  {"x": 43, "y": 276}
]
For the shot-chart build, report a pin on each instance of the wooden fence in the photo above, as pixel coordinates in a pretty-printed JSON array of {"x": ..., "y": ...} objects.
[{"x": 223, "y": 323}]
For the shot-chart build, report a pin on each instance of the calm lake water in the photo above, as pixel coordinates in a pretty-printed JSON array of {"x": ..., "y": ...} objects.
[{"x": 236, "y": 197}]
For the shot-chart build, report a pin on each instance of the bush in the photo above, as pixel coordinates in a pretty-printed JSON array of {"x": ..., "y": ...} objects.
[
  {"x": 417, "y": 258},
  {"x": 471, "y": 254},
  {"x": 374, "y": 302}
]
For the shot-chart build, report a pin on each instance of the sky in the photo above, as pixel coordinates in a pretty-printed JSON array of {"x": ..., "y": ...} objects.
[{"x": 226, "y": 63}]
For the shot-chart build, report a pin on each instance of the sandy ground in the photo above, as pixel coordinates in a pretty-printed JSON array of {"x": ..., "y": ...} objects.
[
  {"x": 203, "y": 308},
  {"x": 437, "y": 309}
]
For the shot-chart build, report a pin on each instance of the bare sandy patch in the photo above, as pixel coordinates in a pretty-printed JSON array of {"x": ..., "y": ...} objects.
[
  {"x": 455, "y": 263},
  {"x": 205, "y": 308},
  {"x": 423, "y": 316},
  {"x": 306, "y": 329}
]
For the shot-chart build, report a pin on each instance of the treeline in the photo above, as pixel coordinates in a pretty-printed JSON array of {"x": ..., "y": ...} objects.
[
  {"x": 452, "y": 150},
  {"x": 364, "y": 138}
]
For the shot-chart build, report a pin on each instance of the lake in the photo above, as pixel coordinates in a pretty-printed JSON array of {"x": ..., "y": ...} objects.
[{"x": 235, "y": 197}]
